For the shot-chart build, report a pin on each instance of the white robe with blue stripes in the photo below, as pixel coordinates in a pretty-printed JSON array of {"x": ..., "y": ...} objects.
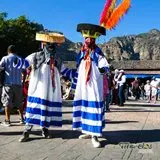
[
  {"x": 44, "y": 107},
  {"x": 88, "y": 106}
]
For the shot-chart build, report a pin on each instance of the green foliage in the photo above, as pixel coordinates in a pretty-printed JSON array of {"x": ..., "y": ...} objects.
[
  {"x": 3, "y": 15},
  {"x": 20, "y": 32},
  {"x": 143, "y": 35}
]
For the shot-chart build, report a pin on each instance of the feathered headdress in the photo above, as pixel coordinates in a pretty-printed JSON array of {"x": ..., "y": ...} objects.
[{"x": 112, "y": 14}]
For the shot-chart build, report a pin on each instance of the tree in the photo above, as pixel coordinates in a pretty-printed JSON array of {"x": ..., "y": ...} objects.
[{"x": 20, "y": 32}]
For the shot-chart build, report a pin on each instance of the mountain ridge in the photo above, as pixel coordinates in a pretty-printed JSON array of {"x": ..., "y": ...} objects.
[{"x": 143, "y": 46}]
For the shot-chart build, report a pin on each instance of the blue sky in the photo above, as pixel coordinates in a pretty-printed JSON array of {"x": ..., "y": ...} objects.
[{"x": 63, "y": 15}]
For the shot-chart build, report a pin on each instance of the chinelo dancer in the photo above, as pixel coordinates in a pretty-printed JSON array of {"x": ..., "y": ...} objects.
[
  {"x": 88, "y": 105},
  {"x": 44, "y": 102}
]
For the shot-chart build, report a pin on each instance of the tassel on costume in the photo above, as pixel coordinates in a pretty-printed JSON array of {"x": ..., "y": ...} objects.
[
  {"x": 87, "y": 59},
  {"x": 52, "y": 71}
]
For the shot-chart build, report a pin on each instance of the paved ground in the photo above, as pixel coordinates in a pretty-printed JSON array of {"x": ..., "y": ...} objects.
[{"x": 132, "y": 132}]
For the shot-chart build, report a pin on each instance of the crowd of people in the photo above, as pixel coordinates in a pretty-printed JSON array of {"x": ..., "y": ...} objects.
[
  {"x": 122, "y": 89},
  {"x": 148, "y": 90}
]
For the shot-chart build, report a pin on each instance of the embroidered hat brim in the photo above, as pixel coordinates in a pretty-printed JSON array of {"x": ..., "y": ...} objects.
[
  {"x": 51, "y": 37},
  {"x": 91, "y": 30}
]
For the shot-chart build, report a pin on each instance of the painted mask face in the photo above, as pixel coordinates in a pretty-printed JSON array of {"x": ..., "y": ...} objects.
[
  {"x": 90, "y": 42},
  {"x": 51, "y": 48}
]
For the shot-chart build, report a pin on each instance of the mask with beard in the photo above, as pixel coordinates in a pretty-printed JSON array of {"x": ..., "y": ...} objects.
[{"x": 90, "y": 42}]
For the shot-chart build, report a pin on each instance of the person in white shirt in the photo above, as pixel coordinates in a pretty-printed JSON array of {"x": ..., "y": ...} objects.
[
  {"x": 147, "y": 89},
  {"x": 121, "y": 80},
  {"x": 154, "y": 87}
]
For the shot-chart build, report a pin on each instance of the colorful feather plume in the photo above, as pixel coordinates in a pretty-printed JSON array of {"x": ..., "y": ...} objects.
[
  {"x": 104, "y": 15},
  {"x": 112, "y": 14}
]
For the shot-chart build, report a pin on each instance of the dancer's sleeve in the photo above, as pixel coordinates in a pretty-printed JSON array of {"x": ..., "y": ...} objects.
[
  {"x": 67, "y": 72},
  {"x": 103, "y": 64},
  {"x": 24, "y": 63}
]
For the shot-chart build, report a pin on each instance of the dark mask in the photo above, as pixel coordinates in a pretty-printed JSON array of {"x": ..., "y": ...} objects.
[{"x": 51, "y": 49}]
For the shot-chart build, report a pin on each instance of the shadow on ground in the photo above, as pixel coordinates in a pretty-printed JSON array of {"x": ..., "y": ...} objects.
[
  {"x": 142, "y": 104},
  {"x": 66, "y": 122},
  {"x": 119, "y": 122},
  {"x": 112, "y": 137},
  {"x": 126, "y": 109},
  {"x": 64, "y": 134},
  {"x": 131, "y": 136}
]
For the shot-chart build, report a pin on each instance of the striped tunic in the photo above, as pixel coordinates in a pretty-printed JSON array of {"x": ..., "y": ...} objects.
[
  {"x": 88, "y": 105},
  {"x": 44, "y": 104}
]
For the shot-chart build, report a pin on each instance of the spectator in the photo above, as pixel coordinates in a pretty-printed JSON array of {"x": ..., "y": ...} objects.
[
  {"x": 25, "y": 80},
  {"x": 1, "y": 85},
  {"x": 12, "y": 89},
  {"x": 67, "y": 91},
  {"x": 121, "y": 80},
  {"x": 110, "y": 86},
  {"x": 154, "y": 87},
  {"x": 147, "y": 89},
  {"x": 115, "y": 98},
  {"x": 142, "y": 91},
  {"x": 136, "y": 88},
  {"x": 63, "y": 85}
]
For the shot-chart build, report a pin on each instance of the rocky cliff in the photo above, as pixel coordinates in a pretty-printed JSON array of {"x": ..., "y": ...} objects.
[{"x": 144, "y": 46}]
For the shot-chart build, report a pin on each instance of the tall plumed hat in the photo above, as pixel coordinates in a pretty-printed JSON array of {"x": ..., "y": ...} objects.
[
  {"x": 91, "y": 30},
  {"x": 110, "y": 17},
  {"x": 50, "y": 36}
]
